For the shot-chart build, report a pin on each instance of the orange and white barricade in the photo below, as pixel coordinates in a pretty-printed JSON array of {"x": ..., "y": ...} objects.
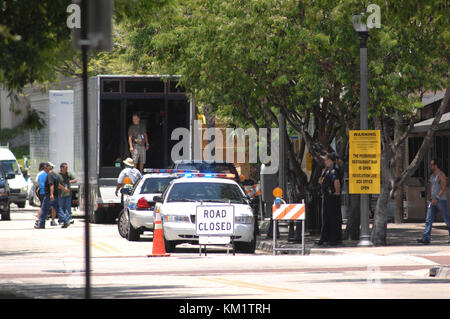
[
  {"x": 288, "y": 212},
  {"x": 253, "y": 191}
]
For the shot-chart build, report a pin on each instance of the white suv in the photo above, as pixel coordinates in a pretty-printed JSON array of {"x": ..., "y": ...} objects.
[{"x": 179, "y": 203}]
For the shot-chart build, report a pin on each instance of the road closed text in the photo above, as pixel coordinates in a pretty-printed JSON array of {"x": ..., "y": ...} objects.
[{"x": 217, "y": 220}]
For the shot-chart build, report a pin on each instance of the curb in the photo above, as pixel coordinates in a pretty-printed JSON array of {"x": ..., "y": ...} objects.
[
  {"x": 441, "y": 272},
  {"x": 266, "y": 246}
]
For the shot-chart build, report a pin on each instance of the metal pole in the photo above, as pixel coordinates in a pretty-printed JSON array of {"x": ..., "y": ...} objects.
[
  {"x": 364, "y": 239},
  {"x": 282, "y": 162},
  {"x": 274, "y": 237},
  {"x": 303, "y": 237},
  {"x": 282, "y": 148},
  {"x": 84, "y": 51}
]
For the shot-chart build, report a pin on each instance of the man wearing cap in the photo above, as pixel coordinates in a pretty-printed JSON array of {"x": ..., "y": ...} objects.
[
  {"x": 51, "y": 198},
  {"x": 129, "y": 171}
]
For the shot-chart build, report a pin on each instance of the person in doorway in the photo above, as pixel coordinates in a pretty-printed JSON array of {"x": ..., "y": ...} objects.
[
  {"x": 138, "y": 142},
  {"x": 331, "y": 231},
  {"x": 437, "y": 201},
  {"x": 65, "y": 179},
  {"x": 129, "y": 171}
]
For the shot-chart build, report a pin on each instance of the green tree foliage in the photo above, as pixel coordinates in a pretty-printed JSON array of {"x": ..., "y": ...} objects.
[
  {"x": 256, "y": 57},
  {"x": 33, "y": 34}
]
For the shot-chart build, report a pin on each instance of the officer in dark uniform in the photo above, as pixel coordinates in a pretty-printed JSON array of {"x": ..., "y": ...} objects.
[
  {"x": 330, "y": 181},
  {"x": 340, "y": 169}
]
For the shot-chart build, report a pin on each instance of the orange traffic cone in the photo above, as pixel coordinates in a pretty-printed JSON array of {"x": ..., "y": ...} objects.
[{"x": 158, "y": 249}]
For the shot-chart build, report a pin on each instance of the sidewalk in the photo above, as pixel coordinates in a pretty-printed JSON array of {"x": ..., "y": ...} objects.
[{"x": 401, "y": 239}]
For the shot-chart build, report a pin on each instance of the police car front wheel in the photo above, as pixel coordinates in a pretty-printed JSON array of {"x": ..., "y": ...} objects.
[
  {"x": 169, "y": 245},
  {"x": 245, "y": 247}
]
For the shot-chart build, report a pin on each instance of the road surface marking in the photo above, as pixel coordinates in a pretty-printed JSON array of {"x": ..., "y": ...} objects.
[
  {"x": 106, "y": 248},
  {"x": 248, "y": 285}
]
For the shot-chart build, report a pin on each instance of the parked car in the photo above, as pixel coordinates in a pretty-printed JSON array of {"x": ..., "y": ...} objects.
[
  {"x": 137, "y": 215},
  {"x": 179, "y": 202},
  {"x": 222, "y": 167},
  {"x": 17, "y": 185},
  {"x": 5, "y": 194}
]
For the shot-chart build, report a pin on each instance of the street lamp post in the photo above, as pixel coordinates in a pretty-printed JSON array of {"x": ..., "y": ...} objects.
[{"x": 362, "y": 29}]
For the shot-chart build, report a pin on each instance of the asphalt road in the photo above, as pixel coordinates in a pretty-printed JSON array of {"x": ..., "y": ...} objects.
[{"x": 49, "y": 263}]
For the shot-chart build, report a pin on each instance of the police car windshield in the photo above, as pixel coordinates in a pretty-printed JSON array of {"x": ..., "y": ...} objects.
[
  {"x": 155, "y": 185},
  {"x": 208, "y": 192}
]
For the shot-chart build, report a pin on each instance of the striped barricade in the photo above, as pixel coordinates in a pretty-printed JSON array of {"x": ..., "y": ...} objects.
[
  {"x": 253, "y": 191},
  {"x": 288, "y": 212}
]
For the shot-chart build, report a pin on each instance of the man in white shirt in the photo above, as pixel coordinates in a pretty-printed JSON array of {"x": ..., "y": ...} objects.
[{"x": 129, "y": 171}]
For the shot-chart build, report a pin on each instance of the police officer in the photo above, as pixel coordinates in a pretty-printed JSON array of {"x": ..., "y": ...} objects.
[{"x": 331, "y": 231}]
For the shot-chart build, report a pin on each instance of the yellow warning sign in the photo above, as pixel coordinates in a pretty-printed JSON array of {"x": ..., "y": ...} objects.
[{"x": 364, "y": 162}]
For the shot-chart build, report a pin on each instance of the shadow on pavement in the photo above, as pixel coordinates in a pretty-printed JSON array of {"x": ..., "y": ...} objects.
[{"x": 54, "y": 291}]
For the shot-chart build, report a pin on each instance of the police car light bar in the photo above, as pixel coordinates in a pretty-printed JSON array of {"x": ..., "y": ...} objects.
[
  {"x": 169, "y": 170},
  {"x": 210, "y": 175}
]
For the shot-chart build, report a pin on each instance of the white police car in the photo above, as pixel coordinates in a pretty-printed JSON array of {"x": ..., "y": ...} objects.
[
  {"x": 138, "y": 212},
  {"x": 178, "y": 206}
]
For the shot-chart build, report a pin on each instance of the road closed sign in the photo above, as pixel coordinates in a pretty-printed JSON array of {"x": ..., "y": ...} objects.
[
  {"x": 214, "y": 220},
  {"x": 364, "y": 162}
]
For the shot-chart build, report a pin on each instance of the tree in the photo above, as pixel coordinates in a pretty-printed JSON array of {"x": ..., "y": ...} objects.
[
  {"x": 36, "y": 31},
  {"x": 259, "y": 57}
]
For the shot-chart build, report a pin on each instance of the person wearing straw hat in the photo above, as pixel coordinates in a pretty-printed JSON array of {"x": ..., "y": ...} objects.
[{"x": 130, "y": 172}]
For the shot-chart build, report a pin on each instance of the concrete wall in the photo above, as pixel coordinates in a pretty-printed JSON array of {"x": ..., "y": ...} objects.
[{"x": 11, "y": 119}]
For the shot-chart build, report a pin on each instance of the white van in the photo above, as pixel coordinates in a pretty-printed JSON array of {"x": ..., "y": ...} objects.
[{"x": 18, "y": 186}]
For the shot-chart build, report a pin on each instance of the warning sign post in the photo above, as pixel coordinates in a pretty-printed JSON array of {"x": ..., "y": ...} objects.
[{"x": 364, "y": 162}]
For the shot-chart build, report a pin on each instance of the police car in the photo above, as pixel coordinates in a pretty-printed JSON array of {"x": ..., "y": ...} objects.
[
  {"x": 178, "y": 206},
  {"x": 137, "y": 215}
]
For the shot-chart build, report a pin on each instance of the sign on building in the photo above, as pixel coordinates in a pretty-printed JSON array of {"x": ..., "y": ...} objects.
[{"x": 364, "y": 162}]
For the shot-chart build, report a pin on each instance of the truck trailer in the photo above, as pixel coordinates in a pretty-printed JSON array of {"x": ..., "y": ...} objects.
[{"x": 161, "y": 103}]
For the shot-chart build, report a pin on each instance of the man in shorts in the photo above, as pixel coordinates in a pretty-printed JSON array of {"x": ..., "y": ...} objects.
[{"x": 138, "y": 142}]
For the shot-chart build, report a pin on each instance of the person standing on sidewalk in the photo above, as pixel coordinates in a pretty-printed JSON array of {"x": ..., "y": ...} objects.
[
  {"x": 65, "y": 178},
  {"x": 40, "y": 184},
  {"x": 331, "y": 231},
  {"x": 50, "y": 199},
  {"x": 138, "y": 142},
  {"x": 437, "y": 201}
]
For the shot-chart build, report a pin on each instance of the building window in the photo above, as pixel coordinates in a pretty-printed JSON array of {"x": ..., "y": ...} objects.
[
  {"x": 442, "y": 148},
  {"x": 414, "y": 144}
]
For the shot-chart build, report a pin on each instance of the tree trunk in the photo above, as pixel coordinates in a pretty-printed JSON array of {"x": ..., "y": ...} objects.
[
  {"x": 379, "y": 231},
  {"x": 398, "y": 195},
  {"x": 210, "y": 115}
]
